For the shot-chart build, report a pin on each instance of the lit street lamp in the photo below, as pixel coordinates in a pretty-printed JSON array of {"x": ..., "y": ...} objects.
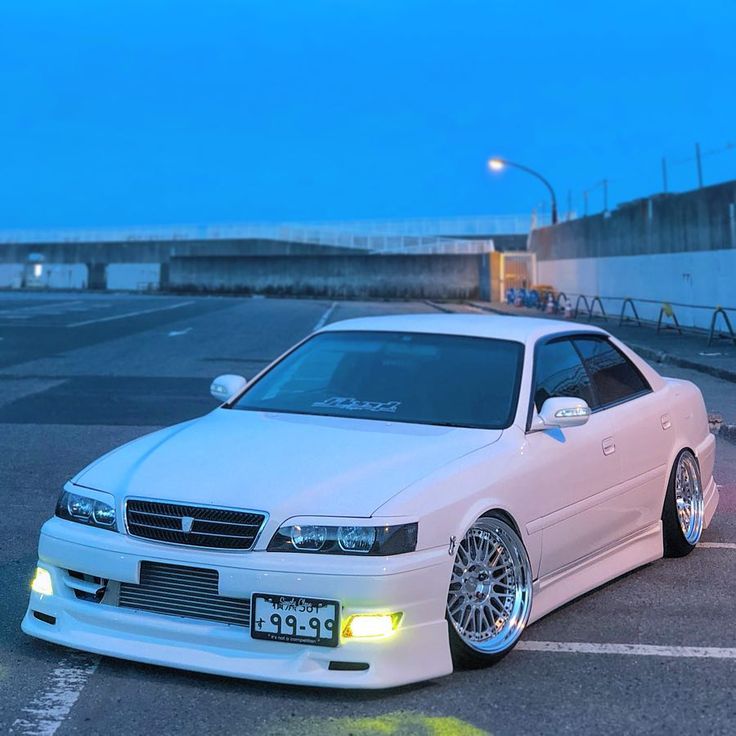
[{"x": 499, "y": 164}]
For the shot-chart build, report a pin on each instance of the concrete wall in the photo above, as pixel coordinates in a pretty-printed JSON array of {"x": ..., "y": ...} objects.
[
  {"x": 703, "y": 219},
  {"x": 678, "y": 248},
  {"x": 133, "y": 276},
  {"x": 706, "y": 278},
  {"x": 453, "y": 276},
  {"x": 11, "y": 275}
]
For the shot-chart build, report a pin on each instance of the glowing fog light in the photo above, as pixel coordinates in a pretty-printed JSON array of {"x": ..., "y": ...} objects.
[
  {"x": 371, "y": 625},
  {"x": 42, "y": 582}
]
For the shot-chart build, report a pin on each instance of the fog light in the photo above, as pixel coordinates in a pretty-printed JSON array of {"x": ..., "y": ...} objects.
[
  {"x": 42, "y": 582},
  {"x": 371, "y": 625}
]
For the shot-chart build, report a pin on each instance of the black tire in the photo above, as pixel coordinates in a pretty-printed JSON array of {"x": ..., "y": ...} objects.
[
  {"x": 678, "y": 543},
  {"x": 511, "y": 563}
]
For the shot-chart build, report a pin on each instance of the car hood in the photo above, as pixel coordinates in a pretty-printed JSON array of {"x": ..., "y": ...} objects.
[{"x": 284, "y": 464}]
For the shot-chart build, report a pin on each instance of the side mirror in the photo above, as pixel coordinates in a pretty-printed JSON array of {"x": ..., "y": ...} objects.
[
  {"x": 561, "y": 412},
  {"x": 223, "y": 387}
]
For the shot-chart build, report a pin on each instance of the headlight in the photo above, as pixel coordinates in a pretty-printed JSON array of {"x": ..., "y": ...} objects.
[
  {"x": 86, "y": 510},
  {"x": 345, "y": 540}
]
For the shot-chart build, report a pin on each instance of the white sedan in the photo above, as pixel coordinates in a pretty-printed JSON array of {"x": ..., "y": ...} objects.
[{"x": 392, "y": 498}]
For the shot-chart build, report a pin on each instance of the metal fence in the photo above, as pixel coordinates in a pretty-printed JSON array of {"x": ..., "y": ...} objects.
[{"x": 628, "y": 310}]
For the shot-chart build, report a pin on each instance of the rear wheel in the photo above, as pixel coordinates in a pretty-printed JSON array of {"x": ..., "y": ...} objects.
[
  {"x": 683, "y": 512},
  {"x": 490, "y": 595}
]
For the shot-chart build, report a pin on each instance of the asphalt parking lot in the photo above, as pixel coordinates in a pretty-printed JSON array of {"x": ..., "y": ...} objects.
[{"x": 652, "y": 652}]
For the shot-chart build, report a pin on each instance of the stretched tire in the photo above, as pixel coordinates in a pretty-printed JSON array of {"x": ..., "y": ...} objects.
[
  {"x": 490, "y": 594},
  {"x": 682, "y": 515}
]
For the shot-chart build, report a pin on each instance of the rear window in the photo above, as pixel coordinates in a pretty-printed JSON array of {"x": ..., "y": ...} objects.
[
  {"x": 614, "y": 377},
  {"x": 395, "y": 376}
]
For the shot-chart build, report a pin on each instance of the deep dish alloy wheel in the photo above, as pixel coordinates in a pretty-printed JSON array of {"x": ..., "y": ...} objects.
[
  {"x": 684, "y": 507},
  {"x": 490, "y": 594},
  {"x": 689, "y": 498}
]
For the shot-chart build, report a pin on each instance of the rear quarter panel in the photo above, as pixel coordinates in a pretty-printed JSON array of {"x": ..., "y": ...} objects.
[{"x": 690, "y": 422}]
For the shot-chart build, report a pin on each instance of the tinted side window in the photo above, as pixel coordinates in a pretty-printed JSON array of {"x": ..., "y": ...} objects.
[
  {"x": 560, "y": 372},
  {"x": 614, "y": 377}
]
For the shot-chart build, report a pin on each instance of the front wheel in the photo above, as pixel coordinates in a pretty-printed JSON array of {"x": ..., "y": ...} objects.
[
  {"x": 490, "y": 595},
  {"x": 684, "y": 507}
]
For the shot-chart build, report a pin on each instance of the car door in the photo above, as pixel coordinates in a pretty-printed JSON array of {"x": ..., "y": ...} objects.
[
  {"x": 576, "y": 468},
  {"x": 641, "y": 427}
]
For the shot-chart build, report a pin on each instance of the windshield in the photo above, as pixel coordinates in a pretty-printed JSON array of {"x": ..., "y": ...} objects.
[{"x": 395, "y": 376}]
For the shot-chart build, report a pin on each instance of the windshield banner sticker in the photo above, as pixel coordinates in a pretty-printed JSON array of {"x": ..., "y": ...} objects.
[{"x": 351, "y": 404}]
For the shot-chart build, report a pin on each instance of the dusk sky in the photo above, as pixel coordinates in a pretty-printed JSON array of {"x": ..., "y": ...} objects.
[{"x": 146, "y": 112}]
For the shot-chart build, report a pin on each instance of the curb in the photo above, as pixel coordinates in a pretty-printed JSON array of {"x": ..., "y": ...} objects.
[
  {"x": 438, "y": 307},
  {"x": 659, "y": 356}
]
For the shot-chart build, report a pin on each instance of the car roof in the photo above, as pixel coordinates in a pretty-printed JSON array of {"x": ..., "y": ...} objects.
[{"x": 499, "y": 326}]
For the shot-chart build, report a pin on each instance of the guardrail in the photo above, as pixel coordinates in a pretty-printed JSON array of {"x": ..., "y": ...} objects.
[{"x": 667, "y": 319}]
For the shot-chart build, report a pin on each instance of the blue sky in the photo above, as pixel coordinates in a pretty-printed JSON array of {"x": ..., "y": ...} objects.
[{"x": 129, "y": 112}]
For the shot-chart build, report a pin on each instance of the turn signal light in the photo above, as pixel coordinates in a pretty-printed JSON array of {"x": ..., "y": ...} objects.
[
  {"x": 42, "y": 582},
  {"x": 371, "y": 625}
]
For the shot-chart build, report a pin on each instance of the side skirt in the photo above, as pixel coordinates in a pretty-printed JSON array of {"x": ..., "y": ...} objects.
[{"x": 562, "y": 586}]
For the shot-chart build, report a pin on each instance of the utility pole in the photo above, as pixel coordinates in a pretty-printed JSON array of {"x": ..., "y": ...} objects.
[
  {"x": 605, "y": 196},
  {"x": 585, "y": 203},
  {"x": 569, "y": 205},
  {"x": 664, "y": 174},
  {"x": 699, "y": 164}
]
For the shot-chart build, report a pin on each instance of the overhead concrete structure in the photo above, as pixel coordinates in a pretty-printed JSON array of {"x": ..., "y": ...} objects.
[{"x": 141, "y": 258}]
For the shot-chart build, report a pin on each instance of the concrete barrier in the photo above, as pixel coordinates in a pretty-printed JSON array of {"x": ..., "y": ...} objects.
[
  {"x": 454, "y": 276},
  {"x": 133, "y": 276},
  {"x": 11, "y": 275}
]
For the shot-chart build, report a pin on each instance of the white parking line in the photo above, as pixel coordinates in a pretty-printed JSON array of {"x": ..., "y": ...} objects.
[
  {"x": 48, "y": 304},
  {"x": 47, "y": 711},
  {"x": 717, "y": 545},
  {"x": 323, "y": 319},
  {"x": 128, "y": 314},
  {"x": 646, "y": 650}
]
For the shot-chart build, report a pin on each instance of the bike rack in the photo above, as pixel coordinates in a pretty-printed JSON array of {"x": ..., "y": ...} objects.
[
  {"x": 712, "y": 334},
  {"x": 592, "y": 307},
  {"x": 622, "y": 318},
  {"x": 667, "y": 311},
  {"x": 577, "y": 304},
  {"x": 559, "y": 304}
]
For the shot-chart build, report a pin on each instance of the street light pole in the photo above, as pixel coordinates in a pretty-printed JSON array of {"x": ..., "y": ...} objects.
[{"x": 497, "y": 164}]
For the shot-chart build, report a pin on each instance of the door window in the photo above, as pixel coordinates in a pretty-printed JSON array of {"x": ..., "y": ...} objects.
[{"x": 560, "y": 372}]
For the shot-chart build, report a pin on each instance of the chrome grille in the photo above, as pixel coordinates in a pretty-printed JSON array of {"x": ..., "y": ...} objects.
[
  {"x": 177, "y": 590},
  {"x": 200, "y": 526}
]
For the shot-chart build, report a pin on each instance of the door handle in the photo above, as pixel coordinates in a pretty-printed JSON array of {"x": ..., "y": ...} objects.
[{"x": 608, "y": 445}]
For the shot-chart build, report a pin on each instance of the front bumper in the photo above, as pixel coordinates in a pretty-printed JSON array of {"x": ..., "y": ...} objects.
[{"x": 415, "y": 584}]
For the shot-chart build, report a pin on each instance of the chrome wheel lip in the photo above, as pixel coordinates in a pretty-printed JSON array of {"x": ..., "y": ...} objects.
[
  {"x": 489, "y": 600},
  {"x": 689, "y": 502}
]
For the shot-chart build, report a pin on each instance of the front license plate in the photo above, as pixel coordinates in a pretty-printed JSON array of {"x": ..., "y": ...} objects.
[{"x": 295, "y": 619}]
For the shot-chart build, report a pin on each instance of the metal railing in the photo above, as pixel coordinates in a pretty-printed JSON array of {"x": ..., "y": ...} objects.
[
  {"x": 413, "y": 234},
  {"x": 667, "y": 316}
]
